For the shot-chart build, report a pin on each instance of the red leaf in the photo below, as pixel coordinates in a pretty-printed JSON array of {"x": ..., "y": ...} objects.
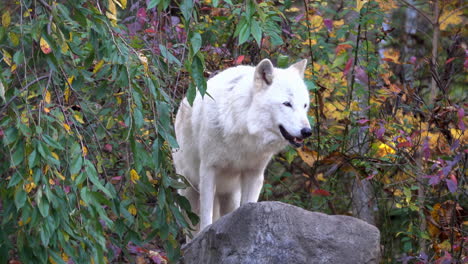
[
  {"x": 342, "y": 47},
  {"x": 150, "y": 30},
  {"x": 450, "y": 60},
  {"x": 405, "y": 144},
  {"x": 321, "y": 192},
  {"x": 239, "y": 60},
  {"x": 387, "y": 59},
  {"x": 348, "y": 66}
]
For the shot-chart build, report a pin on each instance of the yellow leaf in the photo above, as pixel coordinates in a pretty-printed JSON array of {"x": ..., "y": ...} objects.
[
  {"x": 67, "y": 91},
  {"x": 66, "y": 126},
  {"x": 65, "y": 257},
  {"x": 98, "y": 66},
  {"x": 64, "y": 48},
  {"x": 338, "y": 23},
  {"x": 355, "y": 106},
  {"x": 320, "y": 177},
  {"x": 29, "y": 187},
  {"x": 308, "y": 156},
  {"x": 52, "y": 261},
  {"x": 132, "y": 209},
  {"x": 6, "y": 57},
  {"x": 6, "y": 19},
  {"x": 73, "y": 177},
  {"x": 51, "y": 182},
  {"x": 78, "y": 118},
  {"x": 85, "y": 151},
  {"x": 13, "y": 68},
  {"x": 384, "y": 150},
  {"x": 47, "y": 97},
  {"x": 123, "y": 4},
  {"x": 82, "y": 203},
  {"x": 143, "y": 61},
  {"x": 14, "y": 38},
  {"x": 112, "y": 13},
  {"x": 45, "y": 47},
  {"x": 392, "y": 54},
  {"x": 27, "y": 13},
  {"x": 360, "y": 4},
  {"x": 60, "y": 175},
  {"x": 55, "y": 156},
  {"x": 316, "y": 23},
  {"x": 134, "y": 177},
  {"x": 449, "y": 17},
  {"x": 292, "y": 10}
]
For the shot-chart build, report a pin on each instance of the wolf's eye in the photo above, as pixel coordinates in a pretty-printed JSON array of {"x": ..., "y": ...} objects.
[
  {"x": 288, "y": 104},
  {"x": 305, "y": 105}
]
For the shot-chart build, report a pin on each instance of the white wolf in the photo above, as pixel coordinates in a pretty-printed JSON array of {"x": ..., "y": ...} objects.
[{"x": 228, "y": 137}]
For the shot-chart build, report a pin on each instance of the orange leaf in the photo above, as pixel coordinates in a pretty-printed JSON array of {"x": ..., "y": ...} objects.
[
  {"x": 342, "y": 47},
  {"x": 45, "y": 47}
]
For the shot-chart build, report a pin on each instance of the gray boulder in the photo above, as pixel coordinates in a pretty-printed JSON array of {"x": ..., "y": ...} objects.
[{"x": 278, "y": 233}]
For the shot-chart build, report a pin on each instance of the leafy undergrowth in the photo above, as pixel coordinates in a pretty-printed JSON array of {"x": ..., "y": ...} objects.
[{"x": 88, "y": 90}]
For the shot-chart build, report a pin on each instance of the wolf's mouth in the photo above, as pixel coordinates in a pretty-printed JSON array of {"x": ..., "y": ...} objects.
[{"x": 294, "y": 141}]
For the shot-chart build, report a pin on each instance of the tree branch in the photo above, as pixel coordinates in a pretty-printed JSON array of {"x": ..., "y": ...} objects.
[{"x": 428, "y": 18}]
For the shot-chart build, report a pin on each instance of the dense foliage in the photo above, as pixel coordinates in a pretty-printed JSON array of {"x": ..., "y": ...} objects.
[{"x": 88, "y": 90}]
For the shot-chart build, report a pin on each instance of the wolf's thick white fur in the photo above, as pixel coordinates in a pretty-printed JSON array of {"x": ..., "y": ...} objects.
[{"x": 228, "y": 137}]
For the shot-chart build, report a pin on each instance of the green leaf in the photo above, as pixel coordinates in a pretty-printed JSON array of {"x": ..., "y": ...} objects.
[
  {"x": 215, "y": 3},
  {"x": 76, "y": 164},
  {"x": 20, "y": 198},
  {"x": 196, "y": 42},
  {"x": 256, "y": 32},
  {"x": 51, "y": 142},
  {"x": 18, "y": 155},
  {"x": 197, "y": 74},
  {"x": 32, "y": 159},
  {"x": 283, "y": 61},
  {"x": 153, "y": 3},
  {"x": 93, "y": 177},
  {"x": 244, "y": 32},
  {"x": 15, "y": 179},
  {"x": 42, "y": 204},
  {"x": 186, "y": 8},
  {"x": 168, "y": 55},
  {"x": 191, "y": 93}
]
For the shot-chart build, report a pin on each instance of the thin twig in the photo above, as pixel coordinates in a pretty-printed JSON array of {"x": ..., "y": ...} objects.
[
  {"x": 428, "y": 18},
  {"x": 316, "y": 95},
  {"x": 45, "y": 4}
]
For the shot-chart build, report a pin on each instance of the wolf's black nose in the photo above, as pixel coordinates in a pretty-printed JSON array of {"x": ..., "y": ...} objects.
[{"x": 306, "y": 132}]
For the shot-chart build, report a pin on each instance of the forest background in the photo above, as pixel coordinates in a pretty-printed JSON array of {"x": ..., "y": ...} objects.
[{"x": 88, "y": 92}]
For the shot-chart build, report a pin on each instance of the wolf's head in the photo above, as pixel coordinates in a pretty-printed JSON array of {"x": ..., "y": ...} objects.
[{"x": 282, "y": 101}]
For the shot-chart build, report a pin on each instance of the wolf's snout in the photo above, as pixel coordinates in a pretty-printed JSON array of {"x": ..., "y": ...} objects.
[{"x": 306, "y": 132}]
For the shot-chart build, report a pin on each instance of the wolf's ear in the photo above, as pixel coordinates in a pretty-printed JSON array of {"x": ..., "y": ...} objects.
[
  {"x": 300, "y": 67},
  {"x": 264, "y": 73}
]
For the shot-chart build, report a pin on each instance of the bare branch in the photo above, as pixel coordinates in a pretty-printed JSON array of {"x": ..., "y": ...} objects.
[{"x": 427, "y": 17}]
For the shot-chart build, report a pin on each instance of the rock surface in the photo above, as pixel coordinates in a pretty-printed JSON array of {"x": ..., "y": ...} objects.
[{"x": 278, "y": 233}]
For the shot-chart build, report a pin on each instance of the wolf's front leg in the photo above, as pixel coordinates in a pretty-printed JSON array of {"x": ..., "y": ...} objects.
[
  {"x": 252, "y": 183},
  {"x": 207, "y": 193}
]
